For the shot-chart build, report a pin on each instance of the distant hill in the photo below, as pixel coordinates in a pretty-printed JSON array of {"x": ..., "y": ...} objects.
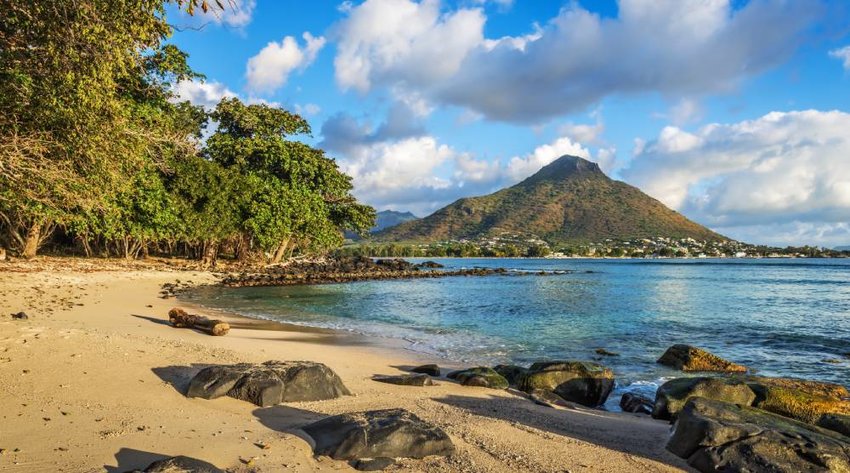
[
  {"x": 842, "y": 248},
  {"x": 390, "y": 218},
  {"x": 569, "y": 200}
]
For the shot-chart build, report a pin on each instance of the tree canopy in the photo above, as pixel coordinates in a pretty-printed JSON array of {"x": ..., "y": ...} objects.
[{"x": 97, "y": 154}]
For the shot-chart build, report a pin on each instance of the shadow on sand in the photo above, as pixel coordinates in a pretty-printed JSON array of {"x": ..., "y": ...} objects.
[
  {"x": 129, "y": 459},
  {"x": 287, "y": 419},
  {"x": 626, "y": 433},
  {"x": 178, "y": 376}
]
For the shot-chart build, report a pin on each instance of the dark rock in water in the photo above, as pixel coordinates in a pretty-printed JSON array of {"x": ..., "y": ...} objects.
[
  {"x": 718, "y": 436},
  {"x": 373, "y": 464},
  {"x": 406, "y": 380},
  {"x": 480, "y": 376},
  {"x": 804, "y": 400},
  {"x": 586, "y": 383},
  {"x": 20, "y": 316},
  {"x": 268, "y": 383},
  {"x": 836, "y": 423},
  {"x": 430, "y": 265},
  {"x": 604, "y": 352},
  {"x": 395, "y": 264},
  {"x": 689, "y": 358},
  {"x": 512, "y": 373},
  {"x": 181, "y": 464},
  {"x": 672, "y": 396},
  {"x": 631, "y": 402},
  {"x": 430, "y": 370},
  {"x": 390, "y": 433}
]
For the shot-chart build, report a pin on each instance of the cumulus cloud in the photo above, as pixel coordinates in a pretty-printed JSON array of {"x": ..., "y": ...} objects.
[
  {"x": 205, "y": 93},
  {"x": 678, "y": 48},
  {"x": 403, "y": 42},
  {"x": 402, "y": 167},
  {"x": 270, "y": 68},
  {"x": 782, "y": 168},
  {"x": 843, "y": 54}
]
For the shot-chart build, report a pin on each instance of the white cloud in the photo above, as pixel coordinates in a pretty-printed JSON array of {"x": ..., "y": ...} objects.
[
  {"x": 675, "y": 47},
  {"x": 309, "y": 109},
  {"x": 270, "y": 68},
  {"x": 204, "y": 93},
  {"x": 404, "y": 168},
  {"x": 782, "y": 168},
  {"x": 520, "y": 167},
  {"x": 843, "y": 54},
  {"x": 402, "y": 41}
]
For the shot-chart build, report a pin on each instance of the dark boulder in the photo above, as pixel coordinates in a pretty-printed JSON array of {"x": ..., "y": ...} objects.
[
  {"x": 672, "y": 396},
  {"x": 480, "y": 376},
  {"x": 20, "y": 316},
  {"x": 181, "y": 464},
  {"x": 586, "y": 383},
  {"x": 430, "y": 265},
  {"x": 406, "y": 380},
  {"x": 718, "y": 436},
  {"x": 430, "y": 370},
  {"x": 836, "y": 423},
  {"x": 512, "y": 373},
  {"x": 604, "y": 352},
  {"x": 689, "y": 358},
  {"x": 389, "y": 433},
  {"x": 268, "y": 383},
  {"x": 635, "y": 403}
]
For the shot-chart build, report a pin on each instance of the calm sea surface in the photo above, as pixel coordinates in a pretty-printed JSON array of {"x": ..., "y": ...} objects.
[{"x": 779, "y": 316}]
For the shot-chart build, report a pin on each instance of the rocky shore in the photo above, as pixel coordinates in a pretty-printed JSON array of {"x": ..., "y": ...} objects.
[{"x": 350, "y": 269}]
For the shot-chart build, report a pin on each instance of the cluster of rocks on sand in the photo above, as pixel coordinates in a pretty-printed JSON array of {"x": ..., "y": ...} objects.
[{"x": 728, "y": 422}]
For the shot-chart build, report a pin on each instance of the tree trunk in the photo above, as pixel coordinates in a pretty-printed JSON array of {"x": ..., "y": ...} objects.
[
  {"x": 32, "y": 241},
  {"x": 280, "y": 252},
  {"x": 210, "y": 254}
]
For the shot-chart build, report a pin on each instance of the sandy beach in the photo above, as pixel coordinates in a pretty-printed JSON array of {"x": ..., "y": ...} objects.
[{"x": 94, "y": 381}]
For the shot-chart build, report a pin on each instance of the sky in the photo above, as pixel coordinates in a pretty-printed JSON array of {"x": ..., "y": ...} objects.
[{"x": 735, "y": 113}]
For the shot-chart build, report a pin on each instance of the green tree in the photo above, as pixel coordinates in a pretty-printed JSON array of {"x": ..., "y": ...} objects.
[
  {"x": 70, "y": 129},
  {"x": 299, "y": 199}
]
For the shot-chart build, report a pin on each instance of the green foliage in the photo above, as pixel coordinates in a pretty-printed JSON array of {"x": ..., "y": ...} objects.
[{"x": 93, "y": 142}]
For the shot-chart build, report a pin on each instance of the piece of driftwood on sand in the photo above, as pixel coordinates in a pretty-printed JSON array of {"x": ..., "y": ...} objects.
[{"x": 182, "y": 319}]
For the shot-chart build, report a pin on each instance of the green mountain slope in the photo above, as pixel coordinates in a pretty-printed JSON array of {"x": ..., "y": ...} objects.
[{"x": 569, "y": 200}]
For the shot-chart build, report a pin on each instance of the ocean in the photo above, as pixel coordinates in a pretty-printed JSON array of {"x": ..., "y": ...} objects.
[{"x": 781, "y": 317}]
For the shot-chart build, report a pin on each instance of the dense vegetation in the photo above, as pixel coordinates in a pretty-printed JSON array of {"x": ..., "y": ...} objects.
[
  {"x": 98, "y": 156},
  {"x": 568, "y": 201}
]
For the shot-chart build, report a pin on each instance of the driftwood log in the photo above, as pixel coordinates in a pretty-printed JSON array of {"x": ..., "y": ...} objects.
[{"x": 182, "y": 319}]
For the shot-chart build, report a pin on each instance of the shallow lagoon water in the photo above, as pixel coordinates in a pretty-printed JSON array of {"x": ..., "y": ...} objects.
[{"x": 780, "y": 316}]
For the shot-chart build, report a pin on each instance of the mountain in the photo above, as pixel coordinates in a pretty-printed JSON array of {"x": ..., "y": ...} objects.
[
  {"x": 391, "y": 218},
  {"x": 569, "y": 200},
  {"x": 842, "y": 248}
]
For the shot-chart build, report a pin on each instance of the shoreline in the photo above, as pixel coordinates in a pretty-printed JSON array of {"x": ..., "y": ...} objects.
[{"x": 94, "y": 380}]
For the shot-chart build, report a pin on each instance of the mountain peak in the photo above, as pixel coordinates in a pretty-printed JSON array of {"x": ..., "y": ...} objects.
[
  {"x": 564, "y": 167},
  {"x": 569, "y": 200}
]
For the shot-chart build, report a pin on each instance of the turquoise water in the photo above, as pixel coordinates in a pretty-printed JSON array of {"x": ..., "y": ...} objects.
[{"x": 779, "y": 316}]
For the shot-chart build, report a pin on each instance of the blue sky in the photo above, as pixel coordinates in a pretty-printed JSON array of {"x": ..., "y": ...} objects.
[{"x": 735, "y": 113}]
